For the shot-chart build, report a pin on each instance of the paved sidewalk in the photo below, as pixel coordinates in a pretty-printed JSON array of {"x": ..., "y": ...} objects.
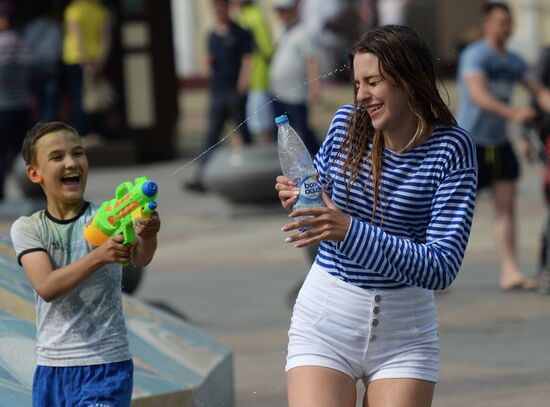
[{"x": 229, "y": 271}]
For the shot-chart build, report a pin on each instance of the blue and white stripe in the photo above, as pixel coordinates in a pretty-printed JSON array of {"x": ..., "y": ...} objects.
[{"x": 426, "y": 204}]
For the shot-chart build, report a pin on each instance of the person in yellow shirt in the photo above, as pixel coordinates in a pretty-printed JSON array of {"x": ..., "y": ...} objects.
[
  {"x": 86, "y": 47},
  {"x": 259, "y": 111}
]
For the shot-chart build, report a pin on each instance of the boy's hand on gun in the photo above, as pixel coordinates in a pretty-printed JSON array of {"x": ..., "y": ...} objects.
[
  {"x": 148, "y": 227},
  {"x": 127, "y": 222},
  {"x": 113, "y": 250},
  {"x": 118, "y": 216}
]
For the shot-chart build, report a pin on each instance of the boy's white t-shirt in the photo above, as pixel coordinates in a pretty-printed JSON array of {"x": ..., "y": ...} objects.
[{"x": 85, "y": 326}]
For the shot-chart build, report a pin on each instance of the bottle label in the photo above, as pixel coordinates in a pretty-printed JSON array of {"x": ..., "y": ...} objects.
[
  {"x": 310, "y": 192},
  {"x": 310, "y": 196}
]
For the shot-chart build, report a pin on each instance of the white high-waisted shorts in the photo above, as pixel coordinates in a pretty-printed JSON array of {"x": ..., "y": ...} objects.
[{"x": 368, "y": 334}]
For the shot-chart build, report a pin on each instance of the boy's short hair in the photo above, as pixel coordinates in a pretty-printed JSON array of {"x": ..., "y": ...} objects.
[
  {"x": 39, "y": 130},
  {"x": 492, "y": 5}
]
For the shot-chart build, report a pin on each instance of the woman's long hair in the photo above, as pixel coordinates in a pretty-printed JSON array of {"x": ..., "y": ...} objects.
[{"x": 405, "y": 62}]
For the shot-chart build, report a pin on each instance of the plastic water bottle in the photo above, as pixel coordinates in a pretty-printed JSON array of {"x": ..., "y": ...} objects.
[{"x": 297, "y": 165}]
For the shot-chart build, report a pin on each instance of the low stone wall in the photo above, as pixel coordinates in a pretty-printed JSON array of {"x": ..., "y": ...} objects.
[{"x": 244, "y": 175}]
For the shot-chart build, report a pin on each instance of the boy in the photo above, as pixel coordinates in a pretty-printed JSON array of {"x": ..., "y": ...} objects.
[{"x": 83, "y": 357}]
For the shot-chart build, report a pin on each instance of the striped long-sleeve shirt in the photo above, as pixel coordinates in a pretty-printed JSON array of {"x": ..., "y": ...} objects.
[{"x": 425, "y": 209}]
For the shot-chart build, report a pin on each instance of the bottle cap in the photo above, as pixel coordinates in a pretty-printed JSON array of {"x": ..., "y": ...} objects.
[{"x": 281, "y": 119}]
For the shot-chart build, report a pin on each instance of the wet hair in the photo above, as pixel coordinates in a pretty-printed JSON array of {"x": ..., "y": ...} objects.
[
  {"x": 489, "y": 6},
  {"x": 38, "y": 131},
  {"x": 406, "y": 62}
]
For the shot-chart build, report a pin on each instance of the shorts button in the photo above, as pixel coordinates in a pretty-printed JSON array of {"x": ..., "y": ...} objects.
[
  {"x": 376, "y": 310},
  {"x": 375, "y": 322}
]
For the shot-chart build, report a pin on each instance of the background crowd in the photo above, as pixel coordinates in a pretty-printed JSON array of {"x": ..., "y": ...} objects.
[
  {"x": 49, "y": 67},
  {"x": 270, "y": 76},
  {"x": 53, "y": 64}
]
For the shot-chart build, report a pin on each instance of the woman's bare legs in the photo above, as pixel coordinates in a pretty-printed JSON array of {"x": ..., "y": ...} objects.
[
  {"x": 399, "y": 393},
  {"x": 315, "y": 386}
]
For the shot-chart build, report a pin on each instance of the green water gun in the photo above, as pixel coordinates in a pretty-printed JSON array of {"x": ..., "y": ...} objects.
[{"x": 116, "y": 216}]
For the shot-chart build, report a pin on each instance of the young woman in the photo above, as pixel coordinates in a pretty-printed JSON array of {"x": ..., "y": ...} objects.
[{"x": 399, "y": 182}]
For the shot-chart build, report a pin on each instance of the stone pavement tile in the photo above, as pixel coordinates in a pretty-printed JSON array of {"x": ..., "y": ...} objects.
[
  {"x": 481, "y": 388},
  {"x": 260, "y": 379}
]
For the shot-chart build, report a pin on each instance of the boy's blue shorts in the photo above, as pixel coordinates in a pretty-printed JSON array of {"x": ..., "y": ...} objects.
[{"x": 105, "y": 385}]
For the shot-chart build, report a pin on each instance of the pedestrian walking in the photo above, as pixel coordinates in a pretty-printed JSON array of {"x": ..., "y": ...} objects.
[
  {"x": 487, "y": 75},
  {"x": 259, "y": 111},
  {"x": 294, "y": 73},
  {"x": 44, "y": 37},
  {"x": 229, "y": 59},
  {"x": 86, "y": 48},
  {"x": 14, "y": 90}
]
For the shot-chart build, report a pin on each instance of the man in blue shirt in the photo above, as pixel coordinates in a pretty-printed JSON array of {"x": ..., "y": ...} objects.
[
  {"x": 487, "y": 74},
  {"x": 230, "y": 49}
]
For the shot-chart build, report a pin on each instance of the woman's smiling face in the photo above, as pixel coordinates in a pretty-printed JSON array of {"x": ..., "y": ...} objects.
[{"x": 386, "y": 104}]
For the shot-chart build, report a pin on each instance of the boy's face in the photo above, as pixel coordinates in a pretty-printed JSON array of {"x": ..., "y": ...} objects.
[{"x": 60, "y": 167}]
